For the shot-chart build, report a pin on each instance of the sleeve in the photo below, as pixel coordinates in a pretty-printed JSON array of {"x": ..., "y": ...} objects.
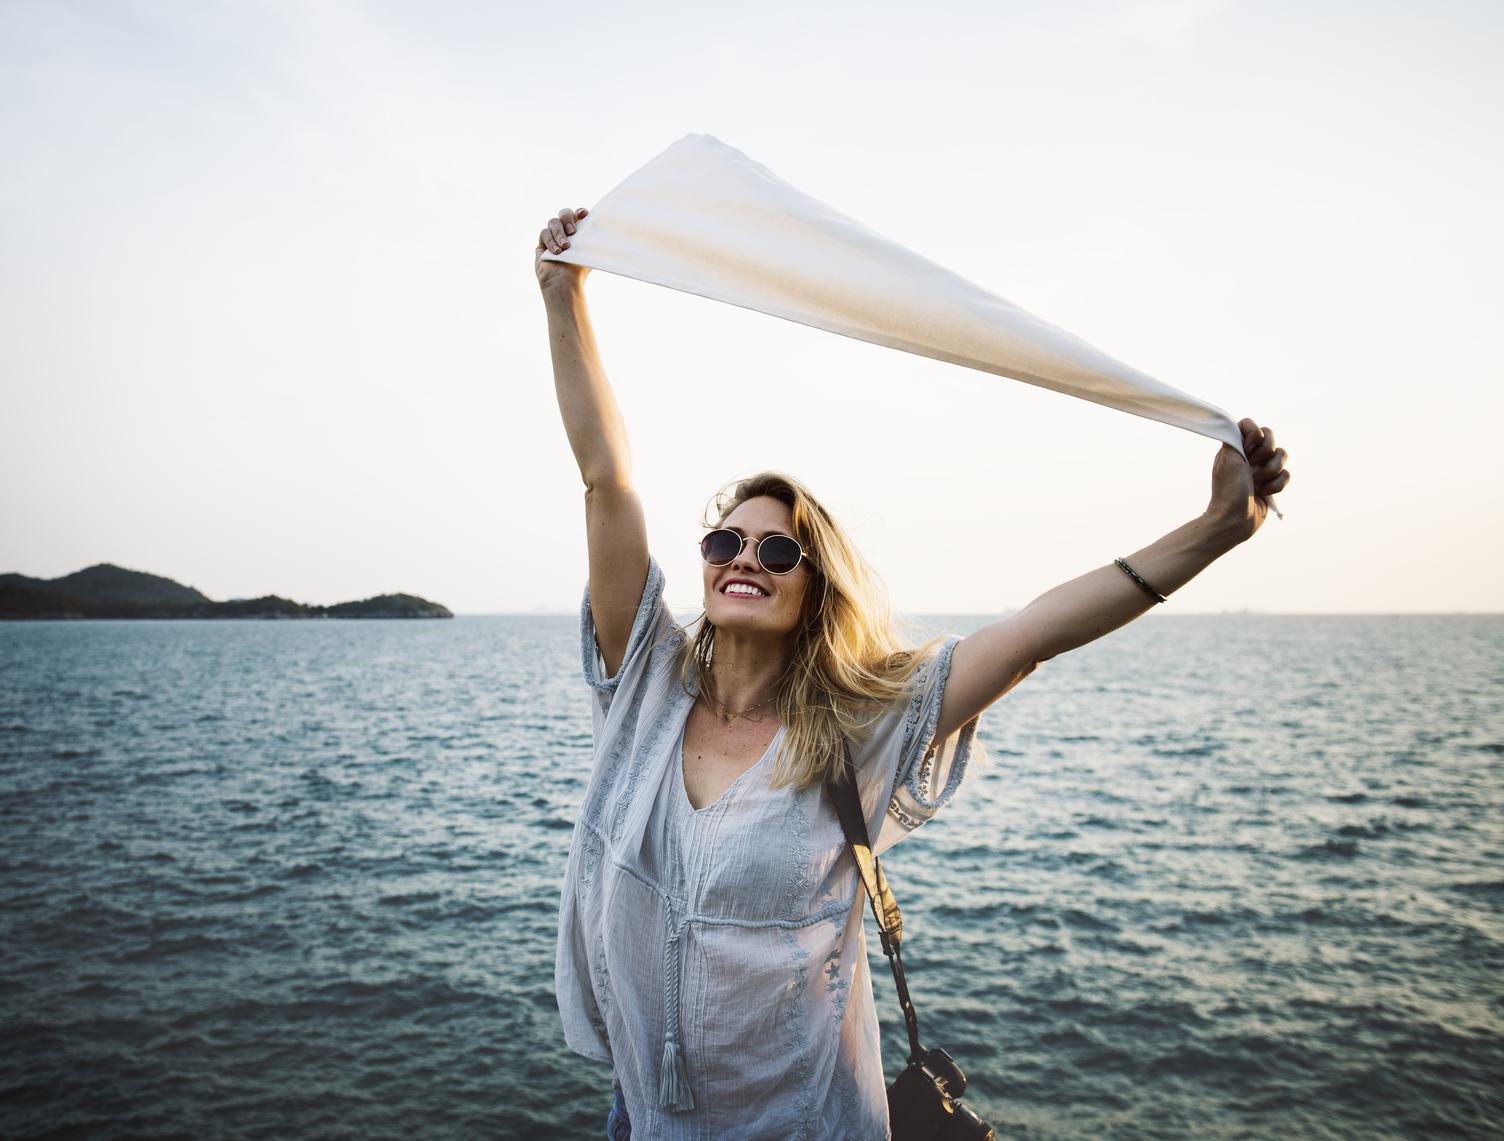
[
  {"x": 652, "y": 621},
  {"x": 908, "y": 775}
]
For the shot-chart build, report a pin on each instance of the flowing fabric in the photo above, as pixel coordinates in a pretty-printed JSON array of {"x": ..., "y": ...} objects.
[{"x": 703, "y": 218}]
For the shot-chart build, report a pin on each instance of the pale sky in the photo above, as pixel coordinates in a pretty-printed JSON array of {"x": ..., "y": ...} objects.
[{"x": 269, "y": 324}]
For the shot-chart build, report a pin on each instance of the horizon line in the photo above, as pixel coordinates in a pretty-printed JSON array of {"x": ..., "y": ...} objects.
[{"x": 1249, "y": 613}]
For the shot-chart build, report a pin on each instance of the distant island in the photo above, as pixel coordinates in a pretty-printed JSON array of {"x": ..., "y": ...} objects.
[{"x": 107, "y": 591}]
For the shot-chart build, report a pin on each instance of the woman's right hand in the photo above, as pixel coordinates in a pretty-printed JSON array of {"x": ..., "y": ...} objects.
[{"x": 555, "y": 238}]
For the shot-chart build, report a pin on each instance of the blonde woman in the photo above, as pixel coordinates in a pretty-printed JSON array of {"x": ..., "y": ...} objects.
[{"x": 710, "y": 927}]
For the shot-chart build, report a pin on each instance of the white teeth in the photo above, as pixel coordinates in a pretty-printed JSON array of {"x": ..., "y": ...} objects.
[{"x": 745, "y": 588}]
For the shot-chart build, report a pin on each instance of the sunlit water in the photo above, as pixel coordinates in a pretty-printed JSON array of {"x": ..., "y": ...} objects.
[{"x": 1232, "y": 876}]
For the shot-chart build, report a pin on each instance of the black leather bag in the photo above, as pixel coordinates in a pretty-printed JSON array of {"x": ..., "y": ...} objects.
[{"x": 924, "y": 1102}]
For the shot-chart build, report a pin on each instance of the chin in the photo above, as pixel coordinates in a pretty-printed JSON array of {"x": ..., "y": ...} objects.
[{"x": 725, "y": 615}]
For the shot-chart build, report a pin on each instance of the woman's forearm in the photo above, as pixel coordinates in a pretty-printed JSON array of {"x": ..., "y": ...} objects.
[
  {"x": 988, "y": 663},
  {"x": 1100, "y": 601},
  {"x": 997, "y": 657},
  {"x": 592, "y": 421}
]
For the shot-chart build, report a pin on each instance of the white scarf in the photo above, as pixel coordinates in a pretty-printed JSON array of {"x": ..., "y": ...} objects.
[{"x": 704, "y": 218}]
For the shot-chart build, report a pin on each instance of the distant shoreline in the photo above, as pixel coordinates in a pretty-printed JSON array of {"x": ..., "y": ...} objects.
[{"x": 106, "y": 591}]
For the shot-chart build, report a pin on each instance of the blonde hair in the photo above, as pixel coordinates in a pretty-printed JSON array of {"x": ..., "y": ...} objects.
[{"x": 846, "y": 664}]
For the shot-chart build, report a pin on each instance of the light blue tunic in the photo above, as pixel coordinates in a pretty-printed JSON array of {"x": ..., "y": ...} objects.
[{"x": 730, "y": 939}]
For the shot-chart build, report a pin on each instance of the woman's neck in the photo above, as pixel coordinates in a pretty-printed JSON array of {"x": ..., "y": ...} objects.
[{"x": 745, "y": 671}]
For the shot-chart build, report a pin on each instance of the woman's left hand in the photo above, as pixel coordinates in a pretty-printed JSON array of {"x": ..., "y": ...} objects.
[{"x": 1241, "y": 488}]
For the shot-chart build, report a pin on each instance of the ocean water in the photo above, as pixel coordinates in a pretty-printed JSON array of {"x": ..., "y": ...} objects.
[{"x": 1221, "y": 877}]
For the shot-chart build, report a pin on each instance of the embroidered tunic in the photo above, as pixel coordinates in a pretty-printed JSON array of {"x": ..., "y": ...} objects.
[{"x": 716, "y": 958}]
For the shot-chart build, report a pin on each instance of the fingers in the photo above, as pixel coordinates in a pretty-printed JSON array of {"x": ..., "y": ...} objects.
[
  {"x": 1273, "y": 486},
  {"x": 1265, "y": 448},
  {"x": 552, "y": 238},
  {"x": 1258, "y": 443},
  {"x": 1269, "y": 468},
  {"x": 1271, "y": 476},
  {"x": 1267, "y": 461},
  {"x": 555, "y": 237},
  {"x": 1252, "y": 438}
]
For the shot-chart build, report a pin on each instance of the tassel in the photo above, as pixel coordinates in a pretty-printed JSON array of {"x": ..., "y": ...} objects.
[{"x": 673, "y": 1082}]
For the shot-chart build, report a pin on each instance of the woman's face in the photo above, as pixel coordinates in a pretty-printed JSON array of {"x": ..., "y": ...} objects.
[{"x": 777, "y": 601}]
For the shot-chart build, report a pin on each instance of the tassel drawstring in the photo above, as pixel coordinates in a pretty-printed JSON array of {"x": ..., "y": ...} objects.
[
  {"x": 673, "y": 1083},
  {"x": 673, "y": 1079}
]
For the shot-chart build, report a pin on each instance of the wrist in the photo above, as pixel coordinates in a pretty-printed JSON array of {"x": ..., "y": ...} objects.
[
  {"x": 564, "y": 290},
  {"x": 1222, "y": 531},
  {"x": 564, "y": 303}
]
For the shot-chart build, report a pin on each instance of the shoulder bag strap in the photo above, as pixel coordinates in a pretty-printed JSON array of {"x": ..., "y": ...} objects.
[{"x": 848, "y": 808}]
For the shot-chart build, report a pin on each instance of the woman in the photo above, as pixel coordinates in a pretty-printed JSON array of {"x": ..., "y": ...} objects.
[{"x": 710, "y": 926}]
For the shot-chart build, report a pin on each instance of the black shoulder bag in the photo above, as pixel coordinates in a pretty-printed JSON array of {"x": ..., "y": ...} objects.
[{"x": 924, "y": 1102}]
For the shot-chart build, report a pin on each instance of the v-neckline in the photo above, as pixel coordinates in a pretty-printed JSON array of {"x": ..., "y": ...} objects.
[{"x": 730, "y": 788}]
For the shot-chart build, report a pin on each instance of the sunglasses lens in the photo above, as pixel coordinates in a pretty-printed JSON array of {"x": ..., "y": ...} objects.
[
  {"x": 778, "y": 554},
  {"x": 719, "y": 547}
]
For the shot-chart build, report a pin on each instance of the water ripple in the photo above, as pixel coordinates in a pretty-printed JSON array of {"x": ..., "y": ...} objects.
[{"x": 270, "y": 880}]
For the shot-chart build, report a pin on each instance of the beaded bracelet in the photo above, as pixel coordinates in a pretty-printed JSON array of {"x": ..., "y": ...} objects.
[{"x": 1134, "y": 575}]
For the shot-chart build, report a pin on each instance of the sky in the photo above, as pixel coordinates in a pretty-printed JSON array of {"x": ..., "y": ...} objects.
[{"x": 269, "y": 322}]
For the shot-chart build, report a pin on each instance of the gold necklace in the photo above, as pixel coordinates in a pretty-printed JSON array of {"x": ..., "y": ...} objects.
[{"x": 730, "y": 714}]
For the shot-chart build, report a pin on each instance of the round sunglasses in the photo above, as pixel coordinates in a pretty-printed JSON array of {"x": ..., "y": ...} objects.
[{"x": 776, "y": 554}]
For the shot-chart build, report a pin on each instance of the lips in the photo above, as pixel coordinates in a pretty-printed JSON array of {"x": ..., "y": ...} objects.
[{"x": 743, "y": 588}]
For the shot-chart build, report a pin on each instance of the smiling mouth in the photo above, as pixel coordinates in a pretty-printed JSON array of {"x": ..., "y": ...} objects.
[{"x": 743, "y": 590}]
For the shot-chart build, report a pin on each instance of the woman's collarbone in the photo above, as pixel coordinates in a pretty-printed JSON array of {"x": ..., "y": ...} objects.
[
  {"x": 744, "y": 738},
  {"x": 717, "y": 753}
]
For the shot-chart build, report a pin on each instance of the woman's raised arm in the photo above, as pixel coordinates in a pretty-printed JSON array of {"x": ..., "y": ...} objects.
[
  {"x": 993, "y": 660},
  {"x": 614, "y": 524}
]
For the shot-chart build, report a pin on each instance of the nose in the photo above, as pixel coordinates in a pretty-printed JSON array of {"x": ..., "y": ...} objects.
[{"x": 745, "y": 560}]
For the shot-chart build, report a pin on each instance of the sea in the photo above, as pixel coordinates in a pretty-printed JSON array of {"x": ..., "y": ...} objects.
[{"x": 1221, "y": 876}]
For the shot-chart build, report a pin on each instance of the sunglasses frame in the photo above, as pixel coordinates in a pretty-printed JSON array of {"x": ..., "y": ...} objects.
[{"x": 756, "y": 549}]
